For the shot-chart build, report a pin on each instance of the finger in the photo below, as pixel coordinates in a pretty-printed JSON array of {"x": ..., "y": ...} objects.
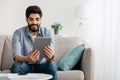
[
  {"x": 36, "y": 54},
  {"x": 49, "y": 50},
  {"x": 48, "y": 54},
  {"x": 31, "y": 53}
]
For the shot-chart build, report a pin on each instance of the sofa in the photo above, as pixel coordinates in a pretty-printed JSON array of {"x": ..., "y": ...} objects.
[{"x": 83, "y": 70}]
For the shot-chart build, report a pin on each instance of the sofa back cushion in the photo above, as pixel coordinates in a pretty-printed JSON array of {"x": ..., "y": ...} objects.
[
  {"x": 7, "y": 59},
  {"x": 2, "y": 39},
  {"x": 64, "y": 44}
]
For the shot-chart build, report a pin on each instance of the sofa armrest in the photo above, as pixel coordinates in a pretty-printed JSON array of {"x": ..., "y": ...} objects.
[{"x": 87, "y": 64}]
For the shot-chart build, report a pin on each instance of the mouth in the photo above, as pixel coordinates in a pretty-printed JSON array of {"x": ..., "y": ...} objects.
[{"x": 34, "y": 27}]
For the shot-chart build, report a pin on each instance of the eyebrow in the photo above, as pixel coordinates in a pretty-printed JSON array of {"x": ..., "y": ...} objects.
[{"x": 33, "y": 18}]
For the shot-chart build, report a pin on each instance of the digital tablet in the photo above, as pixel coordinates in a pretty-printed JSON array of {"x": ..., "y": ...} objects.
[{"x": 40, "y": 43}]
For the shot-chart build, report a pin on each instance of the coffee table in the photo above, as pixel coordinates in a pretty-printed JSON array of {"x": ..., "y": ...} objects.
[{"x": 29, "y": 76}]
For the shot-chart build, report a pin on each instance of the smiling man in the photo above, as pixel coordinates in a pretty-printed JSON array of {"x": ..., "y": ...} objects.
[{"x": 22, "y": 44}]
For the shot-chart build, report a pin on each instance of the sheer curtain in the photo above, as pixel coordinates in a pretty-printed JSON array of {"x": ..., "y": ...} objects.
[{"x": 103, "y": 34}]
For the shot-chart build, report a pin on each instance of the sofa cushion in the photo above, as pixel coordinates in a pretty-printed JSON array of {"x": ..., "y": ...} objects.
[
  {"x": 72, "y": 57},
  {"x": 63, "y": 44},
  {"x": 7, "y": 59},
  {"x": 70, "y": 75},
  {"x": 2, "y": 39}
]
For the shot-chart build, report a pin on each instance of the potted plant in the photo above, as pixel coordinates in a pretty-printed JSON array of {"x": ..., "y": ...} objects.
[{"x": 57, "y": 27}]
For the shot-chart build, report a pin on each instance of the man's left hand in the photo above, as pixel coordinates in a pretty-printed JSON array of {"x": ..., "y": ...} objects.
[{"x": 49, "y": 53}]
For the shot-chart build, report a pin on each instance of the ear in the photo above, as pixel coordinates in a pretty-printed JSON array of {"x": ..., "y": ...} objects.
[{"x": 26, "y": 20}]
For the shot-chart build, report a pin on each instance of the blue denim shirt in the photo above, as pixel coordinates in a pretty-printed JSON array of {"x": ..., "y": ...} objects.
[{"x": 22, "y": 41}]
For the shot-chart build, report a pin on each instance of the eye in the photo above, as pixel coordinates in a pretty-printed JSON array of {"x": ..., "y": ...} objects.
[
  {"x": 37, "y": 19},
  {"x": 30, "y": 19}
]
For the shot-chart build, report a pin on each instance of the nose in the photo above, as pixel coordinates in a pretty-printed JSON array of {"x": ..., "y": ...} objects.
[{"x": 34, "y": 22}]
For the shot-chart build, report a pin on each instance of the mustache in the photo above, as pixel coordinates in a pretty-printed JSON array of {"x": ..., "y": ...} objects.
[{"x": 34, "y": 25}]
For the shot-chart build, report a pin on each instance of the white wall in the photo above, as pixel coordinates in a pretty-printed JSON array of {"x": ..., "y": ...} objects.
[{"x": 12, "y": 14}]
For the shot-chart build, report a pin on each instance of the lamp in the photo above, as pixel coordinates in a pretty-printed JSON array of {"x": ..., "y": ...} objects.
[{"x": 81, "y": 14}]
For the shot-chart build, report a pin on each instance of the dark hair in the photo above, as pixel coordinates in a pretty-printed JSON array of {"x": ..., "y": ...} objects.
[{"x": 33, "y": 9}]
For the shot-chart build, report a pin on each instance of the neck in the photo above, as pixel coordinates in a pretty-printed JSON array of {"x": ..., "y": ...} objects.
[{"x": 33, "y": 33}]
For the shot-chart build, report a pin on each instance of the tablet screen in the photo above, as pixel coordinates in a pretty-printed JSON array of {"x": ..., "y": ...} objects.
[{"x": 40, "y": 43}]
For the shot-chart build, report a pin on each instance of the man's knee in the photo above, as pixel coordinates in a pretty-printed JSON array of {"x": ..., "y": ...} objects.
[
  {"x": 53, "y": 66},
  {"x": 15, "y": 67},
  {"x": 53, "y": 70},
  {"x": 18, "y": 67}
]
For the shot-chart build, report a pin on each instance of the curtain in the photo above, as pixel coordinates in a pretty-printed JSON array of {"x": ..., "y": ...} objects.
[{"x": 103, "y": 34}]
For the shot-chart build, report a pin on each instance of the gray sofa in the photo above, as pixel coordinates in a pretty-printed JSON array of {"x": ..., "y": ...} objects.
[{"x": 84, "y": 70}]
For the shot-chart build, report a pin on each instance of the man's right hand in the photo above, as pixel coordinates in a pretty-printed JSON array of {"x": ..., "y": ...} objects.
[{"x": 34, "y": 55}]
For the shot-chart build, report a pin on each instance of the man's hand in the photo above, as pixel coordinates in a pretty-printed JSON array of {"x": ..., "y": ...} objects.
[
  {"x": 49, "y": 53},
  {"x": 34, "y": 55}
]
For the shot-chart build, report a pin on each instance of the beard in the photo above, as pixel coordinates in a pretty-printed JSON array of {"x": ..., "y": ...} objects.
[{"x": 34, "y": 27}]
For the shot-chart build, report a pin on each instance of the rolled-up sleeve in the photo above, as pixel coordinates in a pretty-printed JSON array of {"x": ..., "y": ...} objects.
[{"x": 16, "y": 46}]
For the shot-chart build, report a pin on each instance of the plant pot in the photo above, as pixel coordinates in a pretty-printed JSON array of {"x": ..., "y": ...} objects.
[{"x": 56, "y": 32}]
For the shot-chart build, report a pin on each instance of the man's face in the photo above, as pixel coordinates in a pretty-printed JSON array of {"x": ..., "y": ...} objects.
[{"x": 34, "y": 21}]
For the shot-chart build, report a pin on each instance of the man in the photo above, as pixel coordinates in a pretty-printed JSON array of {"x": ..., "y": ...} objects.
[{"x": 22, "y": 44}]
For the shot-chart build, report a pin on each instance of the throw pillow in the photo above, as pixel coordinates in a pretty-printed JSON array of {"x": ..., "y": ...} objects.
[{"x": 71, "y": 58}]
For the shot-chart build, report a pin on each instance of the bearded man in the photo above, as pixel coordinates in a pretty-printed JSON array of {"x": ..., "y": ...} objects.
[{"x": 22, "y": 46}]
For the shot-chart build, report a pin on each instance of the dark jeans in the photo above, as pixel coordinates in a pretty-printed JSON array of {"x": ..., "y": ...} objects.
[{"x": 46, "y": 67}]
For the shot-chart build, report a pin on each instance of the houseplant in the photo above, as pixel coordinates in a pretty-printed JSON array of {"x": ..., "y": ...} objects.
[{"x": 57, "y": 27}]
